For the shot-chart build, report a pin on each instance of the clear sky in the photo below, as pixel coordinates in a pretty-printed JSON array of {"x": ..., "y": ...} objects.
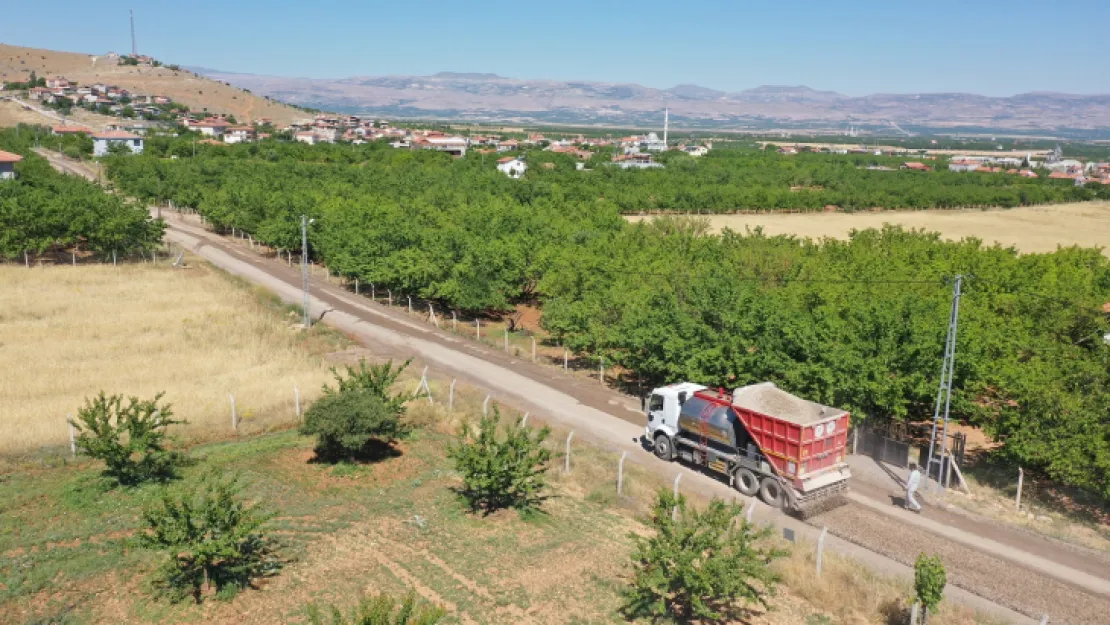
[{"x": 851, "y": 46}]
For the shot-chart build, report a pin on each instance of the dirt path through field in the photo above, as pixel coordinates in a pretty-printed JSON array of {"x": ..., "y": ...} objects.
[{"x": 1029, "y": 228}]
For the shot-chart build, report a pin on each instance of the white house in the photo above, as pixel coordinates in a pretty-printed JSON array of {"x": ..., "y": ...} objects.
[
  {"x": 102, "y": 141},
  {"x": 511, "y": 166},
  {"x": 212, "y": 127},
  {"x": 239, "y": 134},
  {"x": 306, "y": 136},
  {"x": 508, "y": 146},
  {"x": 7, "y": 165},
  {"x": 696, "y": 150}
]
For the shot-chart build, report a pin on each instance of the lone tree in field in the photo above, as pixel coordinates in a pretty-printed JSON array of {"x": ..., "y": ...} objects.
[
  {"x": 700, "y": 565},
  {"x": 211, "y": 540},
  {"x": 501, "y": 473},
  {"x": 929, "y": 580},
  {"x": 380, "y": 610},
  {"x": 129, "y": 438},
  {"x": 361, "y": 418}
]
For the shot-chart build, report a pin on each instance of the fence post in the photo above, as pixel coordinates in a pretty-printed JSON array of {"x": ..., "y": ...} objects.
[
  {"x": 601, "y": 370},
  {"x": 451, "y": 397},
  {"x": 569, "y": 437},
  {"x": 620, "y": 473},
  {"x": 356, "y": 286},
  {"x": 113, "y": 257},
  {"x": 454, "y": 321},
  {"x": 821, "y": 548},
  {"x": 564, "y": 360},
  {"x": 234, "y": 417},
  {"x": 410, "y": 304},
  {"x": 297, "y": 400},
  {"x": 73, "y": 257},
  {"x": 533, "y": 349},
  {"x": 1044, "y": 620},
  {"x": 485, "y": 406},
  {"x": 855, "y": 439},
  {"x": 915, "y": 613},
  {"x": 674, "y": 510},
  {"x": 72, "y": 436},
  {"x": 373, "y": 292},
  {"x": 478, "y": 328},
  {"x": 524, "y": 421},
  {"x": 1021, "y": 481},
  {"x": 751, "y": 510},
  {"x": 390, "y": 300},
  {"x": 432, "y": 314}
]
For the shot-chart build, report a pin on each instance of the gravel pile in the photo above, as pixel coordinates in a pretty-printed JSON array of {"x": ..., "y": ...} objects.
[{"x": 1001, "y": 581}]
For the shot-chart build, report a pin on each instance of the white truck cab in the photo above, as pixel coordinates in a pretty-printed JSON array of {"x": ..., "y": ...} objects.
[{"x": 663, "y": 409}]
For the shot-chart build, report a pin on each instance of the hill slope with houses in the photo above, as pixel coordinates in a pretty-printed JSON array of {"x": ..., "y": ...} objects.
[{"x": 145, "y": 78}]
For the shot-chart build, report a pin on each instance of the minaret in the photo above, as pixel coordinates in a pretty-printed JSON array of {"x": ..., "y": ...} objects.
[
  {"x": 666, "y": 122},
  {"x": 134, "y": 48}
]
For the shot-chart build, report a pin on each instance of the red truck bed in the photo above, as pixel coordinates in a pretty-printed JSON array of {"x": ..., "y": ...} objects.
[{"x": 802, "y": 439}]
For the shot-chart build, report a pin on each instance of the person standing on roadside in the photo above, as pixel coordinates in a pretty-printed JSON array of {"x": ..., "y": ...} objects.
[{"x": 912, "y": 482}]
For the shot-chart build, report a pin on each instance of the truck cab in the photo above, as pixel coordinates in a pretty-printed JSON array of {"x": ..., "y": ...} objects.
[{"x": 664, "y": 406}]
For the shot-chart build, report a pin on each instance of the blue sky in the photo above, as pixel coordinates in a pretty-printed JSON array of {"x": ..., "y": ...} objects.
[{"x": 854, "y": 47}]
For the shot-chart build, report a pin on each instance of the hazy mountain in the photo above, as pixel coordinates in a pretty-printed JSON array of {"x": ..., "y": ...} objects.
[{"x": 483, "y": 96}]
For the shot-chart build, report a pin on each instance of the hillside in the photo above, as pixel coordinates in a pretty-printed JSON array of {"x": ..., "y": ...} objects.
[
  {"x": 197, "y": 92},
  {"x": 489, "y": 97}
]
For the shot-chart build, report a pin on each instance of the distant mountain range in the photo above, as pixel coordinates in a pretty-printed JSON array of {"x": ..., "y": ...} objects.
[{"x": 489, "y": 97}]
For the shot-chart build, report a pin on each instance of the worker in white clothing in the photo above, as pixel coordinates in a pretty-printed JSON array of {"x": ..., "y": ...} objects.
[{"x": 912, "y": 482}]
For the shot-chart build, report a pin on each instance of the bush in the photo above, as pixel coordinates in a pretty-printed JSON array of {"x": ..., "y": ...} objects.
[
  {"x": 375, "y": 379},
  {"x": 211, "y": 540},
  {"x": 352, "y": 424},
  {"x": 700, "y": 565},
  {"x": 929, "y": 580},
  {"x": 129, "y": 438},
  {"x": 380, "y": 610},
  {"x": 507, "y": 473}
]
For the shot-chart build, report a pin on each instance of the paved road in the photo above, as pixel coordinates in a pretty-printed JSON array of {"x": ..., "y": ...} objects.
[{"x": 599, "y": 415}]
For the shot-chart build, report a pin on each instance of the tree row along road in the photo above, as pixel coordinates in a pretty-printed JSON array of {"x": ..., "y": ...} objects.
[{"x": 613, "y": 421}]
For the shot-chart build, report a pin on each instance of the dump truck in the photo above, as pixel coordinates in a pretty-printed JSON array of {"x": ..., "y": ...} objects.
[{"x": 765, "y": 441}]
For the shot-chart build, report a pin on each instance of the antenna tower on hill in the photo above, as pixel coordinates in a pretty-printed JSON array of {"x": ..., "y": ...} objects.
[{"x": 134, "y": 48}]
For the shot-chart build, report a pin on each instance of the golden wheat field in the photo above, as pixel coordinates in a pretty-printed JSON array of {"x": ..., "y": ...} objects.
[
  {"x": 68, "y": 332},
  {"x": 1028, "y": 228}
]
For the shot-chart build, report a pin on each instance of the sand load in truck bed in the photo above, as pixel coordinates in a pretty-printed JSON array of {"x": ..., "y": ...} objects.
[{"x": 768, "y": 399}]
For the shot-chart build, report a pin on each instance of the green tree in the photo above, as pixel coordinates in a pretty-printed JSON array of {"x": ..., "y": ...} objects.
[
  {"x": 508, "y": 472},
  {"x": 381, "y": 609},
  {"x": 378, "y": 380},
  {"x": 352, "y": 424},
  {"x": 929, "y": 580},
  {"x": 129, "y": 438},
  {"x": 211, "y": 540},
  {"x": 700, "y": 565}
]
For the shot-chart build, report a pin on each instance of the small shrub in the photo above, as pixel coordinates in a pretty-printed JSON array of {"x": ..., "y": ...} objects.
[
  {"x": 211, "y": 540},
  {"x": 380, "y": 610},
  {"x": 377, "y": 380},
  {"x": 700, "y": 565},
  {"x": 129, "y": 438},
  {"x": 508, "y": 473},
  {"x": 929, "y": 580},
  {"x": 352, "y": 424}
]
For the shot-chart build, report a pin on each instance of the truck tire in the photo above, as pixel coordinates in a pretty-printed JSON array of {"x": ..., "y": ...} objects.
[
  {"x": 747, "y": 482},
  {"x": 664, "y": 449},
  {"x": 771, "y": 492}
]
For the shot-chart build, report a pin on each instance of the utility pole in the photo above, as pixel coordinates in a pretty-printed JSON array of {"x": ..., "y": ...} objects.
[
  {"x": 944, "y": 392},
  {"x": 305, "y": 221},
  {"x": 134, "y": 47}
]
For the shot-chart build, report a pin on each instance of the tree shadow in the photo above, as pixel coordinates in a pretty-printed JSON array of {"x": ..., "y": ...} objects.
[
  {"x": 371, "y": 452},
  {"x": 894, "y": 612}
]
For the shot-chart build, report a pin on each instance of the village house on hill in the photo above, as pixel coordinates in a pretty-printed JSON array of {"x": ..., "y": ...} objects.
[
  {"x": 511, "y": 166},
  {"x": 7, "y": 165},
  {"x": 103, "y": 141}
]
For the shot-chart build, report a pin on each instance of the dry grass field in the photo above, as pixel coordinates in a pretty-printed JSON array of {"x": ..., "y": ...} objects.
[
  {"x": 194, "y": 333},
  {"x": 1029, "y": 229},
  {"x": 182, "y": 86}
]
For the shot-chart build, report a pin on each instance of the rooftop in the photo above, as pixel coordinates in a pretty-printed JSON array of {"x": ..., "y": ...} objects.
[
  {"x": 115, "y": 134},
  {"x": 8, "y": 157}
]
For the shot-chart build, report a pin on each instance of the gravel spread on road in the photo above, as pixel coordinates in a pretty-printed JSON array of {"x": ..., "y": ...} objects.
[{"x": 998, "y": 580}]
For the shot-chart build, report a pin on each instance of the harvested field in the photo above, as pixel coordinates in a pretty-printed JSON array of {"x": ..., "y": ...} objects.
[
  {"x": 1029, "y": 229},
  {"x": 70, "y": 332}
]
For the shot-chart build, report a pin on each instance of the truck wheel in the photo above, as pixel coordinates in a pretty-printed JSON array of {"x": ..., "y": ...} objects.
[
  {"x": 663, "y": 446},
  {"x": 771, "y": 492},
  {"x": 746, "y": 482}
]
